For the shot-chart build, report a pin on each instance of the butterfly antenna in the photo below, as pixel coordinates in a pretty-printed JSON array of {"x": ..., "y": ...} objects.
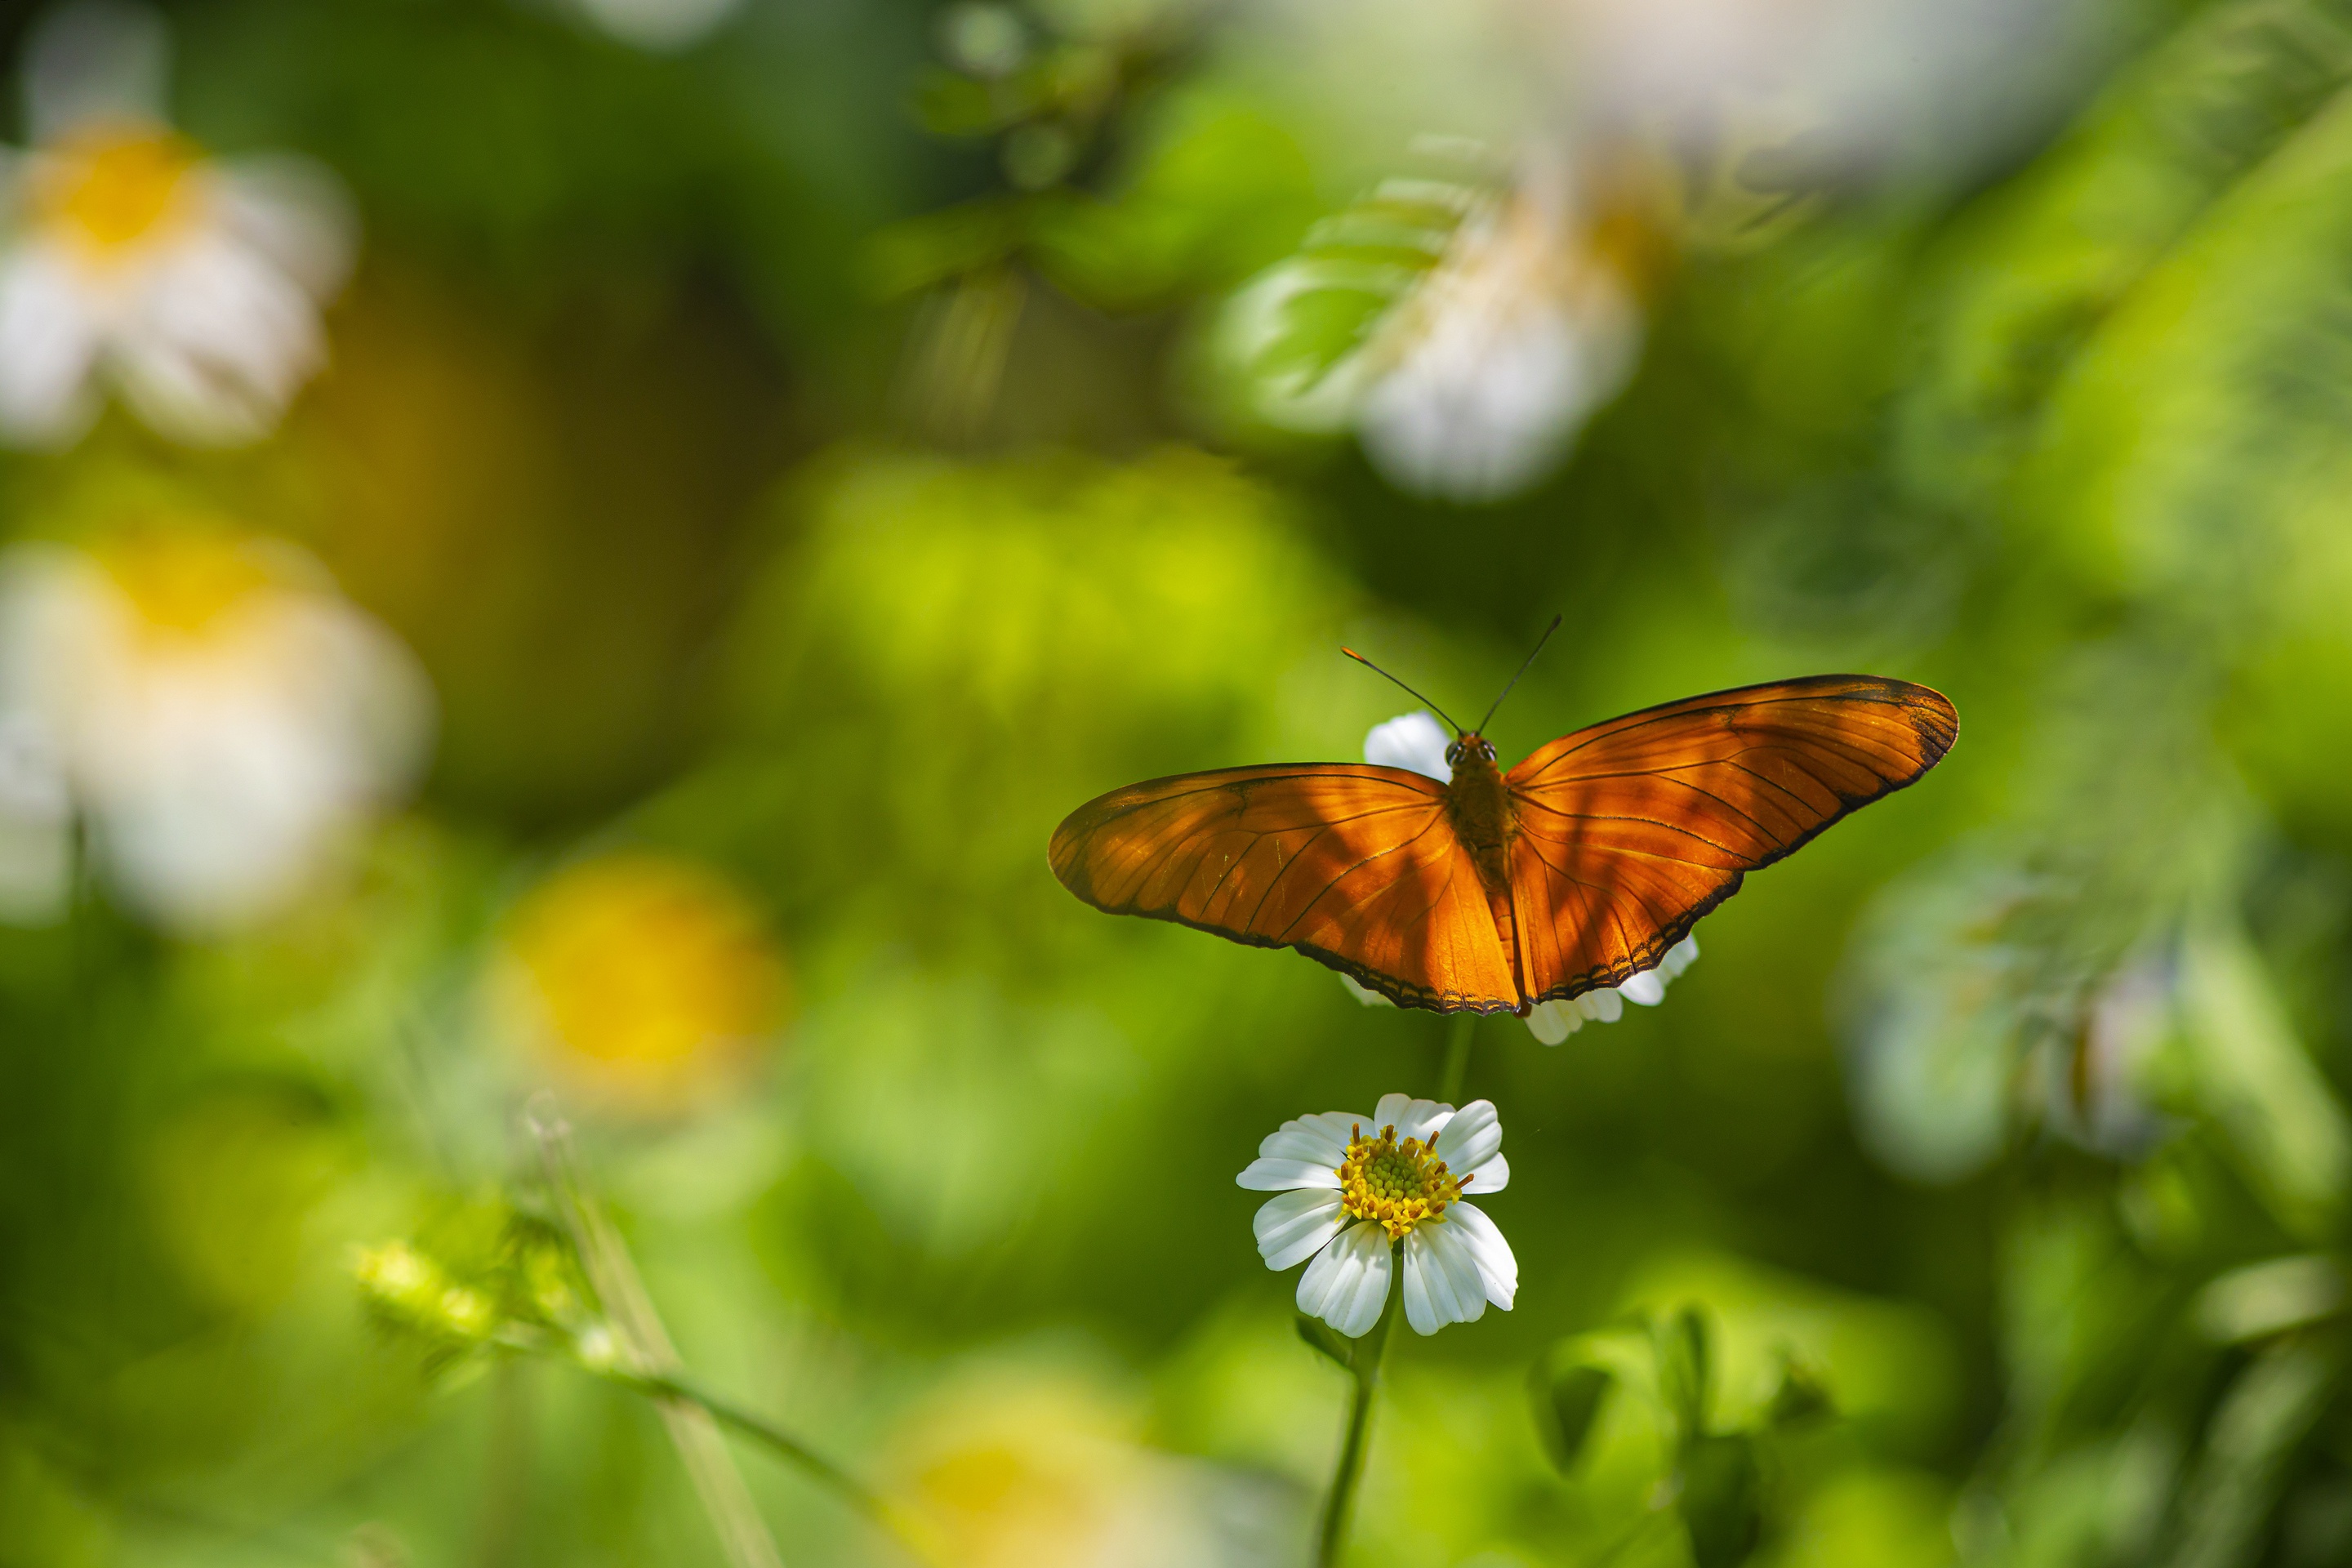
[
  {"x": 1376, "y": 670},
  {"x": 1523, "y": 669}
]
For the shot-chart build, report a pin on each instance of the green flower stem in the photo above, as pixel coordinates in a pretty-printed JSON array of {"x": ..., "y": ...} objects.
[
  {"x": 1371, "y": 1351},
  {"x": 1457, "y": 1056},
  {"x": 645, "y": 1346},
  {"x": 671, "y": 1388},
  {"x": 650, "y": 1366}
]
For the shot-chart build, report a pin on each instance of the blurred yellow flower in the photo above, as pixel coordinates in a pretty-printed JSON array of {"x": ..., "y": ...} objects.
[
  {"x": 217, "y": 713},
  {"x": 1035, "y": 1469},
  {"x": 646, "y": 982},
  {"x": 191, "y": 284}
]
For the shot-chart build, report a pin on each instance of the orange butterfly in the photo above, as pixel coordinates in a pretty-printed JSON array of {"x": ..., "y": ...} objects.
[{"x": 1495, "y": 891}]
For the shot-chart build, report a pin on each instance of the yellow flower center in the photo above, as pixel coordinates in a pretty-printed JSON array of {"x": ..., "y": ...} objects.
[
  {"x": 110, "y": 187},
  {"x": 1399, "y": 1184},
  {"x": 183, "y": 582}
]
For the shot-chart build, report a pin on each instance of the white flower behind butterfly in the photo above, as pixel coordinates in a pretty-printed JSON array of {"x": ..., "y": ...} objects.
[
  {"x": 1494, "y": 363},
  {"x": 1356, "y": 1194},
  {"x": 131, "y": 262},
  {"x": 1417, "y": 741}
]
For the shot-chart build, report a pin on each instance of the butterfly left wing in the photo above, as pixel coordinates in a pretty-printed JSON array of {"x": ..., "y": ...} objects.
[
  {"x": 1356, "y": 866},
  {"x": 1629, "y": 831}
]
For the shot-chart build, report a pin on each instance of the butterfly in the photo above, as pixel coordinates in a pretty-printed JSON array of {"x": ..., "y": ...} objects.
[{"x": 1494, "y": 891}]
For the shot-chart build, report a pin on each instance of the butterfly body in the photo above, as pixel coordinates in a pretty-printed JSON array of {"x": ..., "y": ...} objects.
[
  {"x": 1478, "y": 806},
  {"x": 1492, "y": 891}
]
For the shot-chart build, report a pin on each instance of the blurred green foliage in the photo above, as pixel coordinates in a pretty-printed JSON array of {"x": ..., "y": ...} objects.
[{"x": 812, "y": 453}]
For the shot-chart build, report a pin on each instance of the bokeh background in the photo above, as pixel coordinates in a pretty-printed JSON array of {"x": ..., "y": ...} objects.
[{"x": 585, "y": 546}]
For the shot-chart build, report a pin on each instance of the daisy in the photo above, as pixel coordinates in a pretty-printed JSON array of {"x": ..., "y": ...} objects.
[
  {"x": 1359, "y": 1190},
  {"x": 210, "y": 706},
  {"x": 129, "y": 261},
  {"x": 1495, "y": 361},
  {"x": 1552, "y": 1022},
  {"x": 1417, "y": 741}
]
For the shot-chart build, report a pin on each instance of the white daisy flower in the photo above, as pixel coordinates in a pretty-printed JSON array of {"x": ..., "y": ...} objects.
[
  {"x": 211, "y": 706},
  {"x": 1357, "y": 1192},
  {"x": 1552, "y": 1022},
  {"x": 129, "y": 261},
  {"x": 1497, "y": 359},
  {"x": 1417, "y": 741}
]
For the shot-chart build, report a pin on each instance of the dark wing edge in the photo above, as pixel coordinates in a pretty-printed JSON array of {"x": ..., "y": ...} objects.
[
  {"x": 1934, "y": 720},
  {"x": 1063, "y": 854},
  {"x": 1655, "y": 949}
]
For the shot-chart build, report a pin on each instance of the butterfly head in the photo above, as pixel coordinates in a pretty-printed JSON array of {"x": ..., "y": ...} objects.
[{"x": 1472, "y": 744}]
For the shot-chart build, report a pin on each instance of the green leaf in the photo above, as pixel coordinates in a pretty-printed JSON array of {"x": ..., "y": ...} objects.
[
  {"x": 2253, "y": 1076},
  {"x": 1681, "y": 1343},
  {"x": 1566, "y": 1400},
  {"x": 1721, "y": 1500},
  {"x": 1328, "y": 1341},
  {"x": 1800, "y": 1396},
  {"x": 919, "y": 252}
]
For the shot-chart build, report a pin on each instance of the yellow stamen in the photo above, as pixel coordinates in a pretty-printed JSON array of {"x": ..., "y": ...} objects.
[
  {"x": 1400, "y": 1185},
  {"x": 110, "y": 187},
  {"x": 183, "y": 581}
]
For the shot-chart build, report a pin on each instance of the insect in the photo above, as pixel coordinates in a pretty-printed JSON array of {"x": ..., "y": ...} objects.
[{"x": 1495, "y": 891}]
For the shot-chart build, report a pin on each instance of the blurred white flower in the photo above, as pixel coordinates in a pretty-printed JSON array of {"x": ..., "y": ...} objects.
[
  {"x": 1552, "y": 1022},
  {"x": 1472, "y": 378},
  {"x": 128, "y": 259},
  {"x": 1356, "y": 1190},
  {"x": 1412, "y": 741},
  {"x": 211, "y": 707},
  {"x": 1492, "y": 366},
  {"x": 1417, "y": 741},
  {"x": 1859, "y": 85},
  {"x": 2096, "y": 1084},
  {"x": 659, "y": 26}
]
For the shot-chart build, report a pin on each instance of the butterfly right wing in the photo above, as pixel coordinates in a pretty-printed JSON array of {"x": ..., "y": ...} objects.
[{"x": 1353, "y": 865}]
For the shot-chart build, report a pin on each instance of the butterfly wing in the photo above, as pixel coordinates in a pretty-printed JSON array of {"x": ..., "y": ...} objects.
[
  {"x": 1353, "y": 865},
  {"x": 1630, "y": 830}
]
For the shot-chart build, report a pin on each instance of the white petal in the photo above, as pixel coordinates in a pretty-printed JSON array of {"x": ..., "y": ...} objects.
[
  {"x": 1414, "y": 742},
  {"x": 1678, "y": 957},
  {"x": 1295, "y": 1225},
  {"x": 1645, "y": 990},
  {"x": 1363, "y": 993},
  {"x": 1491, "y": 1177},
  {"x": 1349, "y": 1281},
  {"x": 1419, "y": 1310},
  {"x": 1441, "y": 1283},
  {"x": 1412, "y": 1117},
  {"x": 1605, "y": 1004},
  {"x": 218, "y": 341},
  {"x": 1471, "y": 1137},
  {"x": 1552, "y": 1022},
  {"x": 1284, "y": 1175},
  {"x": 49, "y": 341},
  {"x": 1497, "y": 1267},
  {"x": 291, "y": 210},
  {"x": 1322, "y": 1139}
]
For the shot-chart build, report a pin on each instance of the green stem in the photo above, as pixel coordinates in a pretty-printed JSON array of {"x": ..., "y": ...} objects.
[
  {"x": 660, "y": 1385},
  {"x": 1331, "y": 1538},
  {"x": 1457, "y": 1056}
]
